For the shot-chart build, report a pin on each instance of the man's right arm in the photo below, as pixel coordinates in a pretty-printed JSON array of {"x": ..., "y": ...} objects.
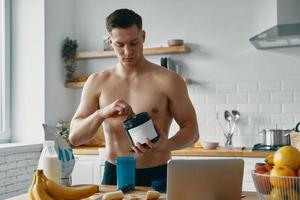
[{"x": 87, "y": 118}]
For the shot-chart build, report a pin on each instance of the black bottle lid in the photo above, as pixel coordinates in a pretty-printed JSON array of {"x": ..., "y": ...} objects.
[{"x": 137, "y": 120}]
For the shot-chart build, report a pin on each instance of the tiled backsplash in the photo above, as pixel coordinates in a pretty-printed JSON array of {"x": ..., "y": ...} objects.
[
  {"x": 262, "y": 104},
  {"x": 17, "y": 164}
]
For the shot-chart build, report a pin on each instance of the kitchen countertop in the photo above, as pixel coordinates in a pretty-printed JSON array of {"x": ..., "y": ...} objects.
[
  {"x": 139, "y": 192},
  {"x": 192, "y": 151}
]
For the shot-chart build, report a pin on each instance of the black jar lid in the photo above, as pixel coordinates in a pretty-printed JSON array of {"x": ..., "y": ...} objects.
[{"x": 137, "y": 120}]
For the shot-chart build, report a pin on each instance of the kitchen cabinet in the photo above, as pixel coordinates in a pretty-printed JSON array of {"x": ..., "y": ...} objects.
[{"x": 87, "y": 170}]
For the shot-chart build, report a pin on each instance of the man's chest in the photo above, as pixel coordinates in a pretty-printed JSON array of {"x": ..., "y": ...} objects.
[{"x": 141, "y": 99}]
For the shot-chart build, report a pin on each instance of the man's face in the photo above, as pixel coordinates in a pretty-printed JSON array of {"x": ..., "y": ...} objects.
[{"x": 128, "y": 44}]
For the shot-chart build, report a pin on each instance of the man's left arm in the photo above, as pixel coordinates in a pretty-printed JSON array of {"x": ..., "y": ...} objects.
[{"x": 184, "y": 114}]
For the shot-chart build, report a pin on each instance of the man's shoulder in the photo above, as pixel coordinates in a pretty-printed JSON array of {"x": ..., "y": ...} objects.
[
  {"x": 164, "y": 74},
  {"x": 100, "y": 76}
]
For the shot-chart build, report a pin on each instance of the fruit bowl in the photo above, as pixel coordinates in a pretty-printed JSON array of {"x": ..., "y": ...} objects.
[{"x": 276, "y": 187}]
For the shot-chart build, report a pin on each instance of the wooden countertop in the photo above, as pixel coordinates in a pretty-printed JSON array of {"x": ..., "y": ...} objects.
[
  {"x": 191, "y": 151},
  {"x": 140, "y": 192}
]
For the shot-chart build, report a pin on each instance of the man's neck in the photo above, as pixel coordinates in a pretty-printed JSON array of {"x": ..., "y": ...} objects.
[{"x": 132, "y": 71}]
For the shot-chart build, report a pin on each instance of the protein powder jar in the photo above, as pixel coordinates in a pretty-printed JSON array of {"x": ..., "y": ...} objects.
[{"x": 139, "y": 128}]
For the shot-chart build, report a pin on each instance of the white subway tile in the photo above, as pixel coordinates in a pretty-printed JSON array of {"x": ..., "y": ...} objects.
[
  {"x": 259, "y": 120},
  {"x": 282, "y": 119},
  {"x": 207, "y": 130},
  {"x": 16, "y": 186},
  {"x": 248, "y": 130},
  {"x": 33, "y": 161},
  {"x": 258, "y": 97},
  {"x": 237, "y": 98},
  {"x": 2, "y": 174},
  {"x": 269, "y": 85},
  {"x": 31, "y": 169},
  {"x": 201, "y": 119},
  {"x": 226, "y": 87},
  {"x": 255, "y": 140},
  {"x": 248, "y": 108},
  {"x": 247, "y": 86},
  {"x": 291, "y": 108},
  {"x": 35, "y": 154},
  {"x": 297, "y": 96},
  {"x": 291, "y": 85},
  {"x": 24, "y": 177},
  {"x": 15, "y": 157},
  {"x": 207, "y": 109},
  {"x": 243, "y": 121},
  {"x": 297, "y": 118},
  {"x": 2, "y": 159},
  {"x": 10, "y": 165},
  {"x": 211, "y": 119},
  {"x": 215, "y": 99},
  {"x": 11, "y": 172},
  {"x": 2, "y": 190},
  {"x": 8, "y": 181},
  {"x": 281, "y": 97},
  {"x": 270, "y": 108},
  {"x": 197, "y": 99},
  {"x": 241, "y": 141},
  {"x": 205, "y": 88}
]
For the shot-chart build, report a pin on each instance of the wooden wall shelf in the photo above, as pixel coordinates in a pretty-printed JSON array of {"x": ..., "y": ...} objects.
[
  {"x": 74, "y": 85},
  {"x": 147, "y": 51},
  {"x": 77, "y": 85}
]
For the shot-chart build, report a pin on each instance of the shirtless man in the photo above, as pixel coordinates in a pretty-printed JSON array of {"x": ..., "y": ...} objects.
[{"x": 132, "y": 86}]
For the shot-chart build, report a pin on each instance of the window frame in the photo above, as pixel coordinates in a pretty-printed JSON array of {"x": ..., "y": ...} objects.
[{"x": 5, "y": 71}]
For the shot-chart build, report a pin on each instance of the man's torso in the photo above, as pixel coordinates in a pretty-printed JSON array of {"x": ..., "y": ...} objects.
[{"x": 145, "y": 94}]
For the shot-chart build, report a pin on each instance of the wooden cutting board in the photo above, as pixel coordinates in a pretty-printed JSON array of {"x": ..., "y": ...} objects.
[{"x": 138, "y": 194}]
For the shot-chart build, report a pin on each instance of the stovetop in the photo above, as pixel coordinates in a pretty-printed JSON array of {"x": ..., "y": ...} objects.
[{"x": 263, "y": 147}]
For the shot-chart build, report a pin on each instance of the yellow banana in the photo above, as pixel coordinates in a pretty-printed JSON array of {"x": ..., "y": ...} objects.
[
  {"x": 58, "y": 191},
  {"x": 270, "y": 159},
  {"x": 38, "y": 190},
  {"x": 31, "y": 187}
]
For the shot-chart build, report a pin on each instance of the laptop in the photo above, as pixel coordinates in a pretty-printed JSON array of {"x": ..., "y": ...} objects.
[{"x": 207, "y": 179}]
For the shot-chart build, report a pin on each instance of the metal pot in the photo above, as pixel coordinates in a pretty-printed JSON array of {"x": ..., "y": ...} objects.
[{"x": 276, "y": 137}]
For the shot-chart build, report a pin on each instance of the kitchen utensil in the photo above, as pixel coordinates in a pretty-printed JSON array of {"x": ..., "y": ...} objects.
[
  {"x": 175, "y": 42},
  {"x": 209, "y": 145},
  {"x": 275, "y": 137},
  {"x": 297, "y": 128},
  {"x": 236, "y": 116},
  {"x": 228, "y": 117}
]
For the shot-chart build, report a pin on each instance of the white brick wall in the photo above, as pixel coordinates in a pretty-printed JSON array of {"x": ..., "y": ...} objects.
[
  {"x": 262, "y": 104},
  {"x": 17, "y": 164}
]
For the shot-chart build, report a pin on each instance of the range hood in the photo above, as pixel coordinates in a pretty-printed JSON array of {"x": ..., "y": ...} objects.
[{"x": 286, "y": 33}]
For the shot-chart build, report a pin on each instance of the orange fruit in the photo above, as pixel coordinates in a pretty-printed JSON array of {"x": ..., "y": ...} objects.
[
  {"x": 287, "y": 156},
  {"x": 279, "y": 177}
]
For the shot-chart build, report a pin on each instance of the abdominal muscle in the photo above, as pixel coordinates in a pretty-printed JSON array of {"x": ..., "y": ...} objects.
[{"x": 117, "y": 144}]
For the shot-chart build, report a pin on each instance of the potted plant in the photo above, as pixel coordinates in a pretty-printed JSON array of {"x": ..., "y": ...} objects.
[{"x": 69, "y": 52}]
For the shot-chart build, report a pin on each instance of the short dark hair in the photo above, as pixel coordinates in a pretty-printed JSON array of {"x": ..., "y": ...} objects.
[{"x": 123, "y": 18}]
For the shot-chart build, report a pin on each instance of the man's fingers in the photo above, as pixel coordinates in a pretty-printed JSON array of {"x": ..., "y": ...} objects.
[
  {"x": 140, "y": 147},
  {"x": 137, "y": 151},
  {"x": 149, "y": 143}
]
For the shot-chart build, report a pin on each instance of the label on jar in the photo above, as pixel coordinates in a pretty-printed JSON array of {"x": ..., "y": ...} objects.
[{"x": 140, "y": 133}]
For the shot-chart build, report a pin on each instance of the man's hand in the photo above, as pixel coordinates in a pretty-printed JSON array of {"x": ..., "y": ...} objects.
[
  {"x": 159, "y": 145},
  {"x": 116, "y": 109}
]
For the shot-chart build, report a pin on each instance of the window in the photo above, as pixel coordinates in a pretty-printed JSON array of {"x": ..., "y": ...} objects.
[{"x": 4, "y": 71}]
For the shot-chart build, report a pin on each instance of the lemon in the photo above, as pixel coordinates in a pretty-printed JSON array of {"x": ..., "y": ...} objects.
[{"x": 287, "y": 156}]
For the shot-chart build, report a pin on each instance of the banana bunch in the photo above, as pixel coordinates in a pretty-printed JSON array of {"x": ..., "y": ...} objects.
[{"x": 43, "y": 188}]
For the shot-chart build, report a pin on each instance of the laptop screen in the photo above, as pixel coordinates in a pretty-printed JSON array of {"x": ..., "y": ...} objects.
[{"x": 208, "y": 179}]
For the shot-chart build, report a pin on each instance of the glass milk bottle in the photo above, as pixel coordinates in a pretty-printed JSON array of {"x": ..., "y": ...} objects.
[{"x": 49, "y": 161}]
